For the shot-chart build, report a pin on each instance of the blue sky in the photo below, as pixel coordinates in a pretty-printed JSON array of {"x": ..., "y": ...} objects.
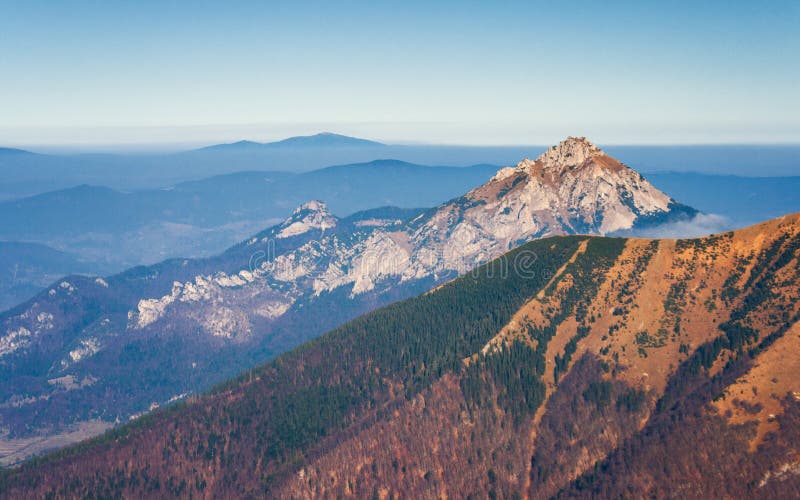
[{"x": 96, "y": 72}]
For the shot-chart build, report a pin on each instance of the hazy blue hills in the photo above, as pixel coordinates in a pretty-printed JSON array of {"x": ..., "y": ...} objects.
[
  {"x": 14, "y": 151},
  {"x": 741, "y": 200},
  {"x": 243, "y": 196},
  {"x": 259, "y": 197},
  {"x": 29, "y": 174},
  {"x": 321, "y": 140},
  {"x": 746, "y": 160},
  {"x": 114, "y": 229},
  {"x": 26, "y": 268}
]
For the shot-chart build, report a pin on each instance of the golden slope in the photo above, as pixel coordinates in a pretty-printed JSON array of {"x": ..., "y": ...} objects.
[{"x": 654, "y": 308}]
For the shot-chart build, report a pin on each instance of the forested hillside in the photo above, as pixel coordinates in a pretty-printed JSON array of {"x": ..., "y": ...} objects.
[{"x": 572, "y": 366}]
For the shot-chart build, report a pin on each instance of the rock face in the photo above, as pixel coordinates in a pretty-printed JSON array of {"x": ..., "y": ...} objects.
[
  {"x": 573, "y": 187},
  {"x": 192, "y": 323},
  {"x": 308, "y": 216}
]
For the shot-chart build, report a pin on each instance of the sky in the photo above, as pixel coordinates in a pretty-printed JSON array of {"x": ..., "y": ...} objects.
[{"x": 483, "y": 73}]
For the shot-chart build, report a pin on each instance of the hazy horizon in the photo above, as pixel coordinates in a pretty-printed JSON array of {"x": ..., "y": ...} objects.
[
  {"x": 172, "y": 146},
  {"x": 80, "y": 73}
]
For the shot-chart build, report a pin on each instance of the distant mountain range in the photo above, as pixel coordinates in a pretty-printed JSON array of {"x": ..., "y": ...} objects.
[
  {"x": 14, "y": 151},
  {"x": 152, "y": 334},
  {"x": 26, "y": 174},
  {"x": 571, "y": 367},
  {"x": 742, "y": 200},
  {"x": 321, "y": 140},
  {"x": 243, "y": 196},
  {"x": 112, "y": 230},
  {"x": 27, "y": 268}
]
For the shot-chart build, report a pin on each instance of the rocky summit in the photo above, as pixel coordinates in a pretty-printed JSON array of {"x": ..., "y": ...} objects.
[{"x": 574, "y": 187}]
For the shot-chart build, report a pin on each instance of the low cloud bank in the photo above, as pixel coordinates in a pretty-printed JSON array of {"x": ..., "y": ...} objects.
[{"x": 699, "y": 225}]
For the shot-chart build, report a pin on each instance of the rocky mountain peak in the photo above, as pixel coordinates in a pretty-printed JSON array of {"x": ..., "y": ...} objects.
[
  {"x": 573, "y": 187},
  {"x": 313, "y": 206},
  {"x": 567, "y": 154},
  {"x": 310, "y": 215},
  {"x": 571, "y": 151}
]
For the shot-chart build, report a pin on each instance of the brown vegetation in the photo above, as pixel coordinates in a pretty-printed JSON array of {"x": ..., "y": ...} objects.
[{"x": 638, "y": 368}]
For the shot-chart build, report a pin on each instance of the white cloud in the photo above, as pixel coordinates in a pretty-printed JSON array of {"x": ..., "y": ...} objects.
[{"x": 699, "y": 225}]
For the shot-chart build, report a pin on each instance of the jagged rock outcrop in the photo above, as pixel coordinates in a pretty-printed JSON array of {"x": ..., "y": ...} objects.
[{"x": 308, "y": 216}]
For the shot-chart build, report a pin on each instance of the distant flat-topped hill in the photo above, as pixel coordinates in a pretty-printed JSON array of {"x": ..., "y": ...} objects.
[{"x": 321, "y": 140}]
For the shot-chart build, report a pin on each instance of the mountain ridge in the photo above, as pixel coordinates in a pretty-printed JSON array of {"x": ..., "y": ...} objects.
[
  {"x": 118, "y": 229},
  {"x": 319, "y": 140},
  {"x": 15, "y": 151},
  {"x": 26, "y": 175},
  {"x": 505, "y": 383}
]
